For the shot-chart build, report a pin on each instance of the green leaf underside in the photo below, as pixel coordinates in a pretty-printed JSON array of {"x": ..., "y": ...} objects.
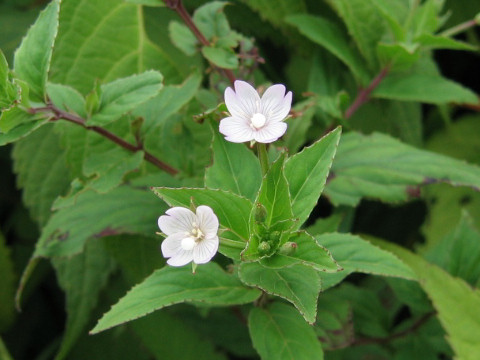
[
  {"x": 123, "y": 210},
  {"x": 280, "y": 333},
  {"x": 170, "y": 285},
  {"x": 298, "y": 284},
  {"x": 124, "y": 95},
  {"x": 357, "y": 255},
  {"x": 423, "y": 88},
  {"x": 462, "y": 323},
  {"x": 67, "y": 98},
  {"x": 82, "y": 277},
  {"x": 307, "y": 173},
  {"x": 331, "y": 37},
  {"x": 308, "y": 252},
  {"x": 234, "y": 168},
  {"x": 32, "y": 58},
  {"x": 378, "y": 166}
]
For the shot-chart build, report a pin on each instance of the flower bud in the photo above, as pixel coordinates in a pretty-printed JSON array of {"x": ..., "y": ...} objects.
[
  {"x": 260, "y": 213},
  {"x": 263, "y": 248},
  {"x": 288, "y": 248}
]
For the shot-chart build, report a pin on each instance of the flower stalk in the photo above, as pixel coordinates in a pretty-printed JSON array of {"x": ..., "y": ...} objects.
[{"x": 263, "y": 157}]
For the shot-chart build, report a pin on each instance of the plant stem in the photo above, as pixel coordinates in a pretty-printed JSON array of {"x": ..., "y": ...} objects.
[
  {"x": 364, "y": 95},
  {"x": 459, "y": 28},
  {"x": 263, "y": 157},
  {"x": 232, "y": 243},
  {"x": 177, "y": 5},
  {"x": 60, "y": 114}
]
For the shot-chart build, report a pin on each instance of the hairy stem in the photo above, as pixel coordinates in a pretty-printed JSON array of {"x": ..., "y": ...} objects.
[
  {"x": 364, "y": 94},
  {"x": 58, "y": 114},
  {"x": 177, "y": 5},
  {"x": 459, "y": 28}
]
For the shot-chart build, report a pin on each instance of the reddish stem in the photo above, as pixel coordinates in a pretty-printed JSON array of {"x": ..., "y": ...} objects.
[{"x": 364, "y": 95}]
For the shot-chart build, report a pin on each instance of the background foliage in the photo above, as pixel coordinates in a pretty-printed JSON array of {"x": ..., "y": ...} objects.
[{"x": 399, "y": 211}]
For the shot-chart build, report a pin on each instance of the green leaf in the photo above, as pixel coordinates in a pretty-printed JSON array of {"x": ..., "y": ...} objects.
[
  {"x": 330, "y": 36},
  {"x": 170, "y": 285},
  {"x": 81, "y": 277},
  {"x": 32, "y": 58},
  {"x": 9, "y": 92},
  {"x": 397, "y": 56},
  {"x": 223, "y": 58},
  {"x": 122, "y": 210},
  {"x": 182, "y": 38},
  {"x": 233, "y": 211},
  {"x": 454, "y": 300},
  {"x": 67, "y": 99},
  {"x": 308, "y": 252},
  {"x": 41, "y": 171},
  {"x": 8, "y": 285},
  {"x": 147, "y": 2},
  {"x": 275, "y": 12},
  {"x": 380, "y": 167},
  {"x": 234, "y": 168},
  {"x": 124, "y": 95},
  {"x": 211, "y": 20},
  {"x": 423, "y": 88},
  {"x": 307, "y": 173},
  {"x": 364, "y": 24},
  {"x": 124, "y": 50},
  {"x": 280, "y": 333},
  {"x": 426, "y": 17},
  {"x": 298, "y": 284},
  {"x": 16, "y": 118},
  {"x": 443, "y": 42},
  {"x": 395, "y": 13},
  {"x": 357, "y": 255},
  {"x": 184, "y": 342}
]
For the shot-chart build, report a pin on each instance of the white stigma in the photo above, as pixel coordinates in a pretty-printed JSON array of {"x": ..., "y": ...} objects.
[
  {"x": 258, "y": 120},
  {"x": 188, "y": 243}
]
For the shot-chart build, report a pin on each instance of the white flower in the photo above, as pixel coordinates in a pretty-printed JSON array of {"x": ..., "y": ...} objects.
[
  {"x": 255, "y": 118},
  {"x": 191, "y": 237}
]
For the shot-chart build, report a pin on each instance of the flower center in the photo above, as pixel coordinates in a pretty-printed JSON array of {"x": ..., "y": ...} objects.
[
  {"x": 197, "y": 234},
  {"x": 258, "y": 120},
  {"x": 188, "y": 243}
]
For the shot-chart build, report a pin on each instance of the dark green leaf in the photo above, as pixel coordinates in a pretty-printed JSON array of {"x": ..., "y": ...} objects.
[{"x": 8, "y": 285}]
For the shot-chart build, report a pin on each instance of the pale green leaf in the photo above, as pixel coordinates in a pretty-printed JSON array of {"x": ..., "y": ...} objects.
[
  {"x": 280, "y": 333},
  {"x": 331, "y": 37},
  {"x": 182, "y": 38},
  {"x": 454, "y": 300},
  {"x": 423, "y": 88},
  {"x": 442, "y": 42},
  {"x": 357, "y": 255},
  {"x": 32, "y": 58},
  {"x": 307, "y": 173},
  {"x": 20, "y": 120},
  {"x": 171, "y": 285},
  {"x": 234, "y": 168},
  {"x": 67, "y": 98},
  {"x": 223, "y": 58},
  {"x": 397, "y": 56},
  {"x": 81, "y": 277},
  {"x": 147, "y": 2},
  {"x": 380, "y": 167},
  {"x": 211, "y": 20},
  {"x": 298, "y": 284},
  {"x": 124, "y": 95}
]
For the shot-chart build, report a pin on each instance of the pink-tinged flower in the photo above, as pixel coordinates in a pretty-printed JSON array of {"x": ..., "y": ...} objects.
[
  {"x": 254, "y": 118},
  {"x": 190, "y": 236}
]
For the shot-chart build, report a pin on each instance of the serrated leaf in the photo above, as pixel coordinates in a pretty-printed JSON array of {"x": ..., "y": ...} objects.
[
  {"x": 223, "y": 58},
  {"x": 124, "y": 210},
  {"x": 357, "y": 255},
  {"x": 124, "y": 95},
  {"x": 81, "y": 277},
  {"x": 32, "y": 58},
  {"x": 331, "y": 37},
  {"x": 423, "y": 88},
  {"x": 110, "y": 30},
  {"x": 7, "y": 286},
  {"x": 233, "y": 211},
  {"x": 455, "y": 301},
  {"x": 308, "y": 252},
  {"x": 307, "y": 173},
  {"x": 298, "y": 284},
  {"x": 280, "y": 333},
  {"x": 67, "y": 98},
  {"x": 234, "y": 168},
  {"x": 378, "y": 166},
  {"x": 171, "y": 285}
]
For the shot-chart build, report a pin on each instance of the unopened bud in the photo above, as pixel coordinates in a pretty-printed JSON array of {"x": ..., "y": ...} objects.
[
  {"x": 260, "y": 213},
  {"x": 263, "y": 248},
  {"x": 288, "y": 248}
]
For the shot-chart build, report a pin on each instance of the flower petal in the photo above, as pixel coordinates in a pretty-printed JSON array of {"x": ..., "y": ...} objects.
[
  {"x": 172, "y": 244},
  {"x": 271, "y": 132},
  {"x": 275, "y": 104},
  {"x": 205, "y": 250},
  {"x": 181, "y": 258},
  {"x": 236, "y": 130},
  {"x": 207, "y": 221},
  {"x": 178, "y": 219}
]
